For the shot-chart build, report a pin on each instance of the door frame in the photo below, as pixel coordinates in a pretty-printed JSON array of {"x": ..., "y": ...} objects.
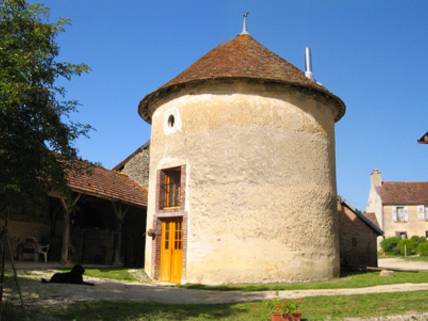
[
  {"x": 178, "y": 212},
  {"x": 156, "y": 254}
]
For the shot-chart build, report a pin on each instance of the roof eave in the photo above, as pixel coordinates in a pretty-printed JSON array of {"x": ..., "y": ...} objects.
[{"x": 145, "y": 112}]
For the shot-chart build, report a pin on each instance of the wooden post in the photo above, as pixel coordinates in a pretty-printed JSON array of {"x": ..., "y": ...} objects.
[
  {"x": 69, "y": 207},
  {"x": 120, "y": 213}
]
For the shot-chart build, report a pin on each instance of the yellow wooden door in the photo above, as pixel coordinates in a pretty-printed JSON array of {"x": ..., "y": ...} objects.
[{"x": 171, "y": 262}]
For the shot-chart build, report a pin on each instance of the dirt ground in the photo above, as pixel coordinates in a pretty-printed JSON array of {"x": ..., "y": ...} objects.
[
  {"x": 401, "y": 264},
  {"x": 37, "y": 293}
]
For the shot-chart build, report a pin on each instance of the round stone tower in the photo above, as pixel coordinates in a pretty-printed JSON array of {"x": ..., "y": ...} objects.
[{"x": 242, "y": 171}]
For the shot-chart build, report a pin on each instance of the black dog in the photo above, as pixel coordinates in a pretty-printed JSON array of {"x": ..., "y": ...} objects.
[{"x": 75, "y": 276}]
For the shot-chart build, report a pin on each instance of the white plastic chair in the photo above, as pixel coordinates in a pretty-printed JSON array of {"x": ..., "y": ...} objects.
[{"x": 43, "y": 250}]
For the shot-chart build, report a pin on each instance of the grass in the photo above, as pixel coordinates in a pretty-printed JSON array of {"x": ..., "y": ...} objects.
[
  {"x": 118, "y": 274},
  {"x": 407, "y": 258},
  {"x": 416, "y": 258},
  {"x": 313, "y": 308},
  {"x": 358, "y": 280}
]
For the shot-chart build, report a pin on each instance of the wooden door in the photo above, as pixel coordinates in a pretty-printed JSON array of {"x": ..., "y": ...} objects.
[{"x": 171, "y": 260}]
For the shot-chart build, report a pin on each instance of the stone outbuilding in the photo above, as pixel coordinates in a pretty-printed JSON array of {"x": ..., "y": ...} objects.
[
  {"x": 358, "y": 238},
  {"x": 242, "y": 178}
]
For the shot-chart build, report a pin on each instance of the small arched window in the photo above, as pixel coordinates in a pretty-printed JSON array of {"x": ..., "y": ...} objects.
[{"x": 171, "y": 121}]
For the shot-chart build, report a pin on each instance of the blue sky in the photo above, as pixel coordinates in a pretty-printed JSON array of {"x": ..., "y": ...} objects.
[{"x": 372, "y": 54}]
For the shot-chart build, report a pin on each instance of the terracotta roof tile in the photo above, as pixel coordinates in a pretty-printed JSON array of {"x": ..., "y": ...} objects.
[
  {"x": 371, "y": 217},
  {"x": 412, "y": 193},
  {"x": 242, "y": 57},
  {"x": 374, "y": 226},
  {"x": 104, "y": 183},
  {"x": 423, "y": 139}
]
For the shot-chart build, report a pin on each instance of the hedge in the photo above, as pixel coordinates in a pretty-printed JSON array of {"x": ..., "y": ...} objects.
[{"x": 398, "y": 246}]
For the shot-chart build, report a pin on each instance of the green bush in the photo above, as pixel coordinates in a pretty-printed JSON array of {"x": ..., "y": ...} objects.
[
  {"x": 390, "y": 245},
  {"x": 422, "y": 249},
  {"x": 418, "y": 240},
  {"x": 407, "y": 247}
]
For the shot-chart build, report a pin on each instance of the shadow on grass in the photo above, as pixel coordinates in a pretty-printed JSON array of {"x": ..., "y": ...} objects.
[
  {"x": 112, "y": 311},
  {"x": 346, "y": 280}
]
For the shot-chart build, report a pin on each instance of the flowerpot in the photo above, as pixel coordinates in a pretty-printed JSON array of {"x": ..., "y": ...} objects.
[
  {"x": 287, "y": 317},
  {"x": 276, "y": 317},
  {"x": 292, "y": 316},
  {"x": 296, "y": 316}
]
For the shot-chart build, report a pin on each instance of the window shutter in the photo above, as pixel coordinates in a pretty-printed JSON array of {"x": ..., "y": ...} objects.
[
  {"x": 421, "y": 212},
  {"x": 406, "y": 214},
  {"x": 161, "y": 189},
  {"x": 394, "y": 214}
]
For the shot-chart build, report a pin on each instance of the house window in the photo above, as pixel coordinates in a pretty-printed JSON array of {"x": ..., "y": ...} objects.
[
  {"x": 402, "y": 235},
  {"x": 401, "y": 214},
  {"x": 170, "y": 188}
]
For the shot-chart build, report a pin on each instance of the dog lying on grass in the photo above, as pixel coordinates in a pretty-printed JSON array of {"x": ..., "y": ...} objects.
[{"x": 75, "y": 276}]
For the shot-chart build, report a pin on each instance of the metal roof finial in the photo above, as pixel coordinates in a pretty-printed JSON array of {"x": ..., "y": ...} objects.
[{"x": 244, "y": 24}]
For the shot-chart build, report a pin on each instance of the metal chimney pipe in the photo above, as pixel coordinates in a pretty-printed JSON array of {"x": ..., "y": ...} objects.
[{"x": 308, "y": 63}]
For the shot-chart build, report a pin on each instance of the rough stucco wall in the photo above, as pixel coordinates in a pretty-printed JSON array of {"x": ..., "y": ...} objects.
[
  {"x": 412, "y": 227},
  {"x": 360, "y": 252},
  {"x": 138, "y": 167},
  {"x": 261, "y": 183},
  {"x": 374, "y": 205}
]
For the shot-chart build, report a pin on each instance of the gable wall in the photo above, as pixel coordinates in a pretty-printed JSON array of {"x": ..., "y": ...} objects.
[
  {"x": 358, "y": 246},
  {"x": 138, "y": 167}
]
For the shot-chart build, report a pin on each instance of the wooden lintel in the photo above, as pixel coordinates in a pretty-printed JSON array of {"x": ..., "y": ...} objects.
[
  {"x": 119, "y": 209},
  {"x": 69, "y": 206}
]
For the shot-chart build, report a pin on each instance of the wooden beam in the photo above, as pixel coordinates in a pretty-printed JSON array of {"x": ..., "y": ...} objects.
[
  {"x": 120, "y": 212},
  {"x": 69, "y": 207}
]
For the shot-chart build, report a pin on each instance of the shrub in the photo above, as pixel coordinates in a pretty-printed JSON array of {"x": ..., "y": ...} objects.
[
  {"x": 422, "y": 249},
  {"x": 418, "y": 240},
  {"x": 390, "y": 245},
  {"x": 407, "y": 247}
]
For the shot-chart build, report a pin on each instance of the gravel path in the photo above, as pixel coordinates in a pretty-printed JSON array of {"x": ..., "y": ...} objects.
[
  {"x": 36, "y": 293},
  {"x": 401, "y": 264}
]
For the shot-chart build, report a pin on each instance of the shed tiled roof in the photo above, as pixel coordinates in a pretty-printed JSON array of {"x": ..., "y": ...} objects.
[
  {"x": 396, "y": 193},
  {"x": 366, "y": 219},
  {"x": 104, "y": 183},
  {"x": 241, "y": 58},
  {"x": 371, "y": 217}
]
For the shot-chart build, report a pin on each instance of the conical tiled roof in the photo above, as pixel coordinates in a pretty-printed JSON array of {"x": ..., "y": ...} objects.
[{"x": 241, "y": 58}]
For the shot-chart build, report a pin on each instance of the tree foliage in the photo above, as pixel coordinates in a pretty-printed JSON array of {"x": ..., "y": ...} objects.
[{"x": 35, "y": 125}]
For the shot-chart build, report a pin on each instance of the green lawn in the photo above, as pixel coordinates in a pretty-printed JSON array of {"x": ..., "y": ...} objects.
[
  {"x": 416, "y": 258},
  {"x": 120, "y": 274},
  {"x": 357, "y": 280},
  {"x": 314, "y": 308},
  {"x": 410, "y": 258}
]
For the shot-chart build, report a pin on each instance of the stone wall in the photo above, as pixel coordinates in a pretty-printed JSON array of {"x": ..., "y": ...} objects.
[
  {"x": 358, "y": 245},
  {"x": 138, "y": 166},
  {"x": 260, "y": 182}
]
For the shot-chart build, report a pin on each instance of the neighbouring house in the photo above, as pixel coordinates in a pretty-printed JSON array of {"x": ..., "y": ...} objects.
[
  {"x": 242, "y": 183},
  {"x": 103, "y": 222},
  {"x": 357, "y": 238},
  {"x": 401, "y": 208},
  {"x": 423, "y": 139}
]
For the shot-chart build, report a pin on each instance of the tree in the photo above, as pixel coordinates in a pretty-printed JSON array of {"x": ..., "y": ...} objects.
[{"x": 36, "y": 133}]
